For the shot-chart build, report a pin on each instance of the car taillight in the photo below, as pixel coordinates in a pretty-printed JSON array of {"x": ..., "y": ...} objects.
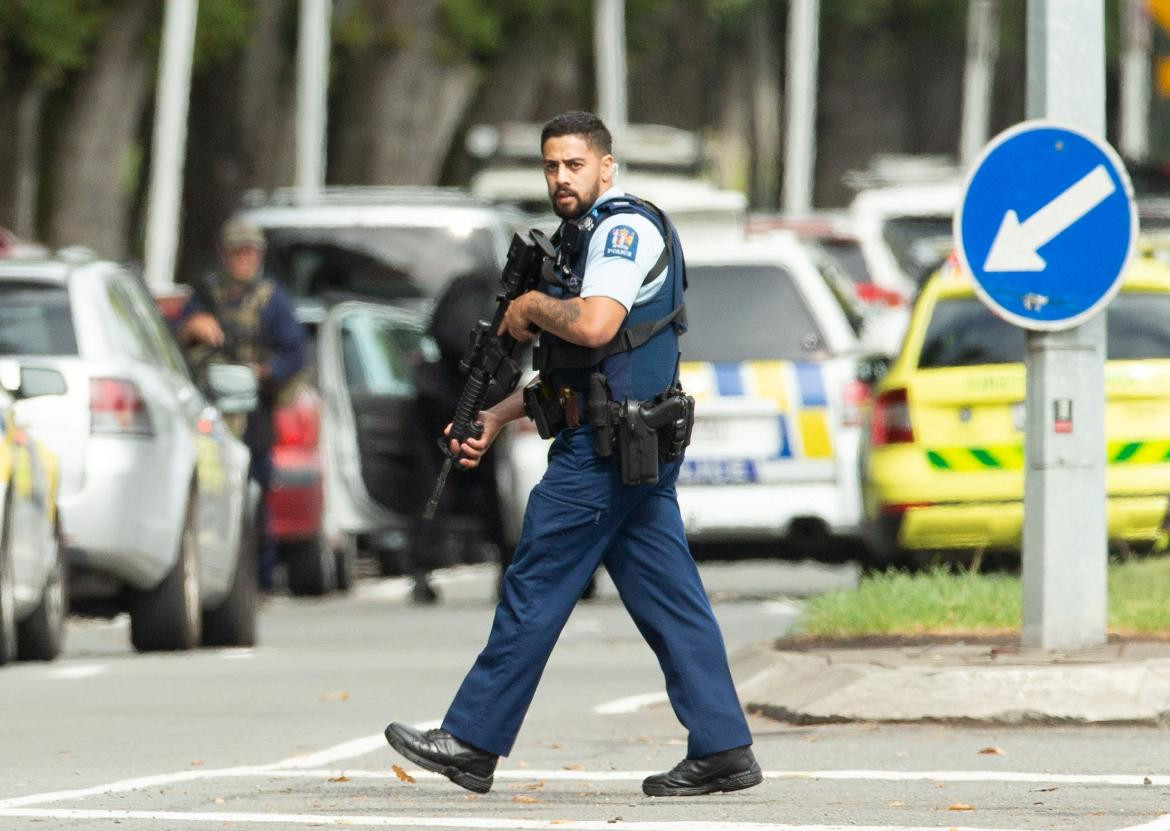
[
  {"x": 891, "y": 419},
  {"x": 296, "y": 425},
  {"x": 855, "y": 402},
  {"x": 871, "y": 293},
  {"x": 116, "y": 406}
]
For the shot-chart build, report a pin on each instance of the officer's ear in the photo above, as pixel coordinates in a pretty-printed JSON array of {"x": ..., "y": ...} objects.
[{"x": 608, "y": 166}]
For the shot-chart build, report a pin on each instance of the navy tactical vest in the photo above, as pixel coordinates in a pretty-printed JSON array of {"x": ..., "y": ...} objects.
[{"x": 642, "y": 360}]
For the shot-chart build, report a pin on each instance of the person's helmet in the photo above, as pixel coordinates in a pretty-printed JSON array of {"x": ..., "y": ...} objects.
[{"x": 238, "y": 232}]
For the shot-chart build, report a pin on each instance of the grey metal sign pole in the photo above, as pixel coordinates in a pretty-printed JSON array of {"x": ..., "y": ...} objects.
[
  {"x": 1065, "y": 538},
  {"x": 801, "y": 91},
  {"x": 312, "y": 90},
  {"x": 978, "y": 74},
  {"x": 170, "y": 141},
  {"x": 609, "y": 54}
]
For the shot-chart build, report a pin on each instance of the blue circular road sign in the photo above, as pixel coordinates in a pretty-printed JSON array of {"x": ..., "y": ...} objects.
[{"x": 1046, "y": 225}]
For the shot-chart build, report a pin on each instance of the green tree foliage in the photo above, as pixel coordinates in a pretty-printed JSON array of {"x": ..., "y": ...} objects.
[
  {"x": 44, "y": 39},
  {"x": 222, "y": 31}
]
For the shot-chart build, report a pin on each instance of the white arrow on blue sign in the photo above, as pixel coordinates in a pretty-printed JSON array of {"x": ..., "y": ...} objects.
[{"x": 1046, "y": 225}]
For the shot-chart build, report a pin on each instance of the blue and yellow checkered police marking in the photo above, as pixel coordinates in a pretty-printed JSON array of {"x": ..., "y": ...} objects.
[{"x": 796, "y": 388}]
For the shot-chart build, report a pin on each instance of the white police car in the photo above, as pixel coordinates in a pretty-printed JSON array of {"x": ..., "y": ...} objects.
[{"x": 769, "y": 357}]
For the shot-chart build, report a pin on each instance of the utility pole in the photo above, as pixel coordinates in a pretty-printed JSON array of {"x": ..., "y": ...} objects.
[
  {"x": 170, "y": 141},
  {"x": 1065, "y": 538},
  {"x": 801, "y": 93},
  {"x": 1137, "y": 39},
  {"x": 609, "y": 57},
  {"x": 978, "y": 73},
  {"x": 312, "y": 91}
]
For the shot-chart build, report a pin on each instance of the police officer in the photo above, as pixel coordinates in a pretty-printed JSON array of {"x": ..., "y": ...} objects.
[
  {"x": 247, "y": 318},
  {"x": 617, "y": 309}
]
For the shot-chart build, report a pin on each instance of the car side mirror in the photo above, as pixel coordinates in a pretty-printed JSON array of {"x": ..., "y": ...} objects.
[
  {"x": 234, "y": 387},
  {"x": 30, "y": 381},
  {"x": 873, "y": 368}
]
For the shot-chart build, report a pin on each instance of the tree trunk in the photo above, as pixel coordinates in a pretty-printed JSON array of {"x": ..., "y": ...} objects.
[
  {"x": 400, "y": 105},
  {"x": 99, "y": 134},
  {"x": 240, "y": 140}
]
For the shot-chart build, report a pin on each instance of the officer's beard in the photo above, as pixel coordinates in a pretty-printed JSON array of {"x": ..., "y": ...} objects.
[{"x": 580, "y": 207}]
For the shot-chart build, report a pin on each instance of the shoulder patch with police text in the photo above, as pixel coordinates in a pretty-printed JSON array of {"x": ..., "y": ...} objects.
[{"x": 622, "y": 241}]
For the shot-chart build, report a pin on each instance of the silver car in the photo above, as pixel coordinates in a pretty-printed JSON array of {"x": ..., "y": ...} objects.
[{"x": 155, "y": 499}]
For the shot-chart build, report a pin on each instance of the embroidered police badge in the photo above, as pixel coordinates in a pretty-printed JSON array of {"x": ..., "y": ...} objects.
[{"x": 622, "y": 242}]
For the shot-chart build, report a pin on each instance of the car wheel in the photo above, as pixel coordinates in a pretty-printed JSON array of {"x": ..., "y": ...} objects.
[
  {"x": 233, "y": 623},
  {"x": 312, "y": 568},
  {"x": 41, "y": 634},
  {"x": 7, "y": 593},
  {"x": 170, "y": 616},
  {"x": 346, "y": 567}
]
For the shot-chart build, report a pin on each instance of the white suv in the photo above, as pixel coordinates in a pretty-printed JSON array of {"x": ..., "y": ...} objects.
[{"x": 770, "y": 358}]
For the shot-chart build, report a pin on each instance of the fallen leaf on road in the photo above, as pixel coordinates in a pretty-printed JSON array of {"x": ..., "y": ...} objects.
[
  {"x": 342, "y": 778},
  {"x": 1046, "y": 790},
  {"x": 573, "y": 767},
  {"x": 525, "y": 798},
  {"x": 960, "y": 806},
  {"x": 340, "y": 695},
  {"x": 535, "y": 786},
  {"x": 992, "y": 751},
  {"x": 555, "y": 746},
  {"x": 197, "y": 763},
  {"x": 219, "y": 800},
  {"x": 401, "y": 774},
  {"x": 1147, "y": 781},
  {"x": 471, "y": 797},
  {"x": 897, "y": 803}
]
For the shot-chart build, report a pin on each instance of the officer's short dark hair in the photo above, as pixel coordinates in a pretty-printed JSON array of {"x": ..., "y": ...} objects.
[{"x": 579, "y": 123}]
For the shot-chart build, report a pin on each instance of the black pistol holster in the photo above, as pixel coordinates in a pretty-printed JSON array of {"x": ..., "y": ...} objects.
[{"x": 646, "y": 433}]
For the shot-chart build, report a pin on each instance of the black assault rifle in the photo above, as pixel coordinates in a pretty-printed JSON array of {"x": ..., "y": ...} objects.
[{"x": 492, "y": 357}]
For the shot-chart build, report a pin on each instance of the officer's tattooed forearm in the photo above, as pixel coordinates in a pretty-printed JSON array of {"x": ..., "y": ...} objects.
[{"x": 554, "y": 315}]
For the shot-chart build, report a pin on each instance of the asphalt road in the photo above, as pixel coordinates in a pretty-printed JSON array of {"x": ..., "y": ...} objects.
[{"x": 288, "y": 735}]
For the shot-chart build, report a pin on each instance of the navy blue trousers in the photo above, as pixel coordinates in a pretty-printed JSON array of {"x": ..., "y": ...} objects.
[{"x": 579, "y": 516}]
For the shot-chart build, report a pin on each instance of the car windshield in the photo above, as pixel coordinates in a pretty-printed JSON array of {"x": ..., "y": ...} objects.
[
  {"x": 379, "y": 354},
  {"x": 746, "y": 312},
  {"x": 964, "y": 332},
  {"x": 919, "y": 243},
  {"x": 846, "y": 253},
  {"x": 383, "y": 263},
  {"x": 35, "y": 319}
]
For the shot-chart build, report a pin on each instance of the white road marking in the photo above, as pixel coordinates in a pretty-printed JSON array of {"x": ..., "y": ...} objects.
[
  {"x": 1162, "y": 823},
  {"x": 345, "y": 750},
  {"x": 630, "y": 704},
  {"x": 448, "y": 822},
  {"x": 72, "y": 672},
  {"x": 565, "y": 775}
]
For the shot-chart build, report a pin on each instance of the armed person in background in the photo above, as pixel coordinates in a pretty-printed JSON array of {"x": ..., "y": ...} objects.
[
  {"x": 241, "y": 316},
  {"x": 609, "y": 314}
]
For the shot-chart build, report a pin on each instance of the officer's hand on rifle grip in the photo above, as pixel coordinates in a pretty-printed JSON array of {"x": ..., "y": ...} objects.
[
  {"x": 516, "y": 321},
  {"x": 471, "y": 451}
]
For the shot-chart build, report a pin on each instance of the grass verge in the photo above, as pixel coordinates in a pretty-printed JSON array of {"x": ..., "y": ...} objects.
[{"x": 940, "y": 602}]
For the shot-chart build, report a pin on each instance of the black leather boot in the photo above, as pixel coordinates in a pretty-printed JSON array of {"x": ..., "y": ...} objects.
[
  {"x": 728, "y": 770},
  {"x": 440, "y": 752}
]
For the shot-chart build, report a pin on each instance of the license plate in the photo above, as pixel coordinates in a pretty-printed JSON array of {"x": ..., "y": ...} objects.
[{"x": 718, "y": 472}]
